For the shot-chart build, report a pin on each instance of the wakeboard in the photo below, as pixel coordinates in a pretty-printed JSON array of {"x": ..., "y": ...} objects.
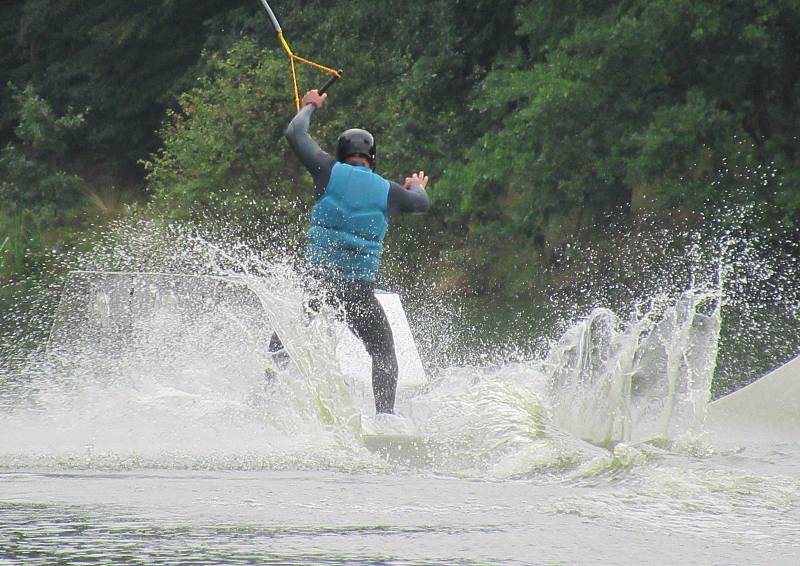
[{"x": 403, "y": 448}]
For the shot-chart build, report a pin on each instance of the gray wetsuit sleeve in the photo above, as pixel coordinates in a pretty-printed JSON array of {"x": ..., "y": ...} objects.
[
  {"x": 412, "y": 199},
  {"x": 318, "y": 162}
]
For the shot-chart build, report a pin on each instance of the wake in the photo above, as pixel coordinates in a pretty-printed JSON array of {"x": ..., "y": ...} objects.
[{"x": 167, "y": 370}]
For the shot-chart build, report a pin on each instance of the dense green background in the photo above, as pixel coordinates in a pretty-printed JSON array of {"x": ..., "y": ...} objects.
[{"x": 545, "y": 125}]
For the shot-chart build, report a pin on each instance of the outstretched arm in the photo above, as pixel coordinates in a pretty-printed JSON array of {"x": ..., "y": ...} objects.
[
  {"x": 318, "y": 162},
  {"x": 410, "y": 197}
]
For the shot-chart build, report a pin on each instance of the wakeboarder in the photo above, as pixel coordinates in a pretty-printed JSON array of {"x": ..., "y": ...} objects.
[{"x": 345, "y": 240}]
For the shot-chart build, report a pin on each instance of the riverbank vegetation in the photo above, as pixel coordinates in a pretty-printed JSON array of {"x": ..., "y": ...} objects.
[{"x": 546, "y": 126}]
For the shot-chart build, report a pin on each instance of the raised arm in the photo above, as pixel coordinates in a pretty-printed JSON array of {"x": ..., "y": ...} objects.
[
  {"x": 318, "y": 162},
  {"x": 409, "y": 197}
]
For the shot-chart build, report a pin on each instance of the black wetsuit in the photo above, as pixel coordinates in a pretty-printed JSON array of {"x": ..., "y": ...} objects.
[{"x": 362, "y": 311}]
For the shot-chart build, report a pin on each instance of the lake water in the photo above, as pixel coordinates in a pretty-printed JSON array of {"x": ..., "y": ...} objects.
[
  {"x": 160, "y": 441},
  {"x": 738, "y": 507}
]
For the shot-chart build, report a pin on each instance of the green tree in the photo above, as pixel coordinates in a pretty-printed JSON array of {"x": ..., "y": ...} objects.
[
  {"x": 125, "y": 60},
  {"x": 605, "y": 104},
  {"x": 224, "y": 149},
  {"x": 38, "y": 199}
]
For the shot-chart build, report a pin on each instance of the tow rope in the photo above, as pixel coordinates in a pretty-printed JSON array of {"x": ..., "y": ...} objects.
[{"x": 335, "y": 74}]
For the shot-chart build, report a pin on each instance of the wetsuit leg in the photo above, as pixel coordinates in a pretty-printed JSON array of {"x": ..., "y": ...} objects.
[
  {"x": 275, "y": 349},
  {"x": 275, "y": 344},
  {"x": 280, "y": 356},
  {"x": 366, "y": 319}
]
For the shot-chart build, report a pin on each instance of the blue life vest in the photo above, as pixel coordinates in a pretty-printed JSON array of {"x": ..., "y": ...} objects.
[{"x": 348, "y": 224}]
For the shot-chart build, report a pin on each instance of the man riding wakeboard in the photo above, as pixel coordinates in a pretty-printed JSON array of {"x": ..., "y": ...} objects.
[{"x": 348, "y": 224}]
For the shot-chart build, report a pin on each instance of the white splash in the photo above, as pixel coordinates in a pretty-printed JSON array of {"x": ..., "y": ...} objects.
[
  {"x": 650, "y": 377},
  {"x": 169, "y": 369}
]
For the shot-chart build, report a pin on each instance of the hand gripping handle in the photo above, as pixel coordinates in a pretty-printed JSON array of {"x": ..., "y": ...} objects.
[{"x": 330, "y": 82}]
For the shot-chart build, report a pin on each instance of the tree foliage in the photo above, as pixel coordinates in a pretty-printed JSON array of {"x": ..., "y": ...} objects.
[
  {"x": 537, "y": 119},
  {"x": 37, "y": 196},
  {"x": 630, "y": 99},
  {"x": 224, "y": 147},
  {"x": 124, "y": 60}
]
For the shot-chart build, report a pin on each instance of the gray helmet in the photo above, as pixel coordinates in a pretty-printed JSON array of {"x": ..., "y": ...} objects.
[{"x": 356, "y": 142}]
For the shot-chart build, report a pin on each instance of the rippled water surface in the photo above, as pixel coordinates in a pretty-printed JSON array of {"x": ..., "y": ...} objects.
[{"x": 669, "y": 510}]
